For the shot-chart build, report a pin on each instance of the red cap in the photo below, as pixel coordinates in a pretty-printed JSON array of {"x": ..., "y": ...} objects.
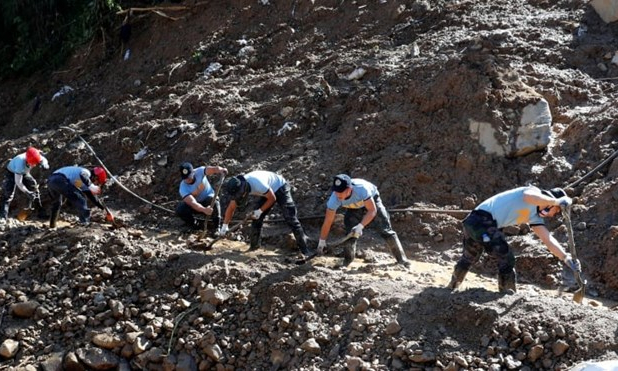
[
  {"x": 100, "y": 175},
  {"x": 33, "y": 156}
]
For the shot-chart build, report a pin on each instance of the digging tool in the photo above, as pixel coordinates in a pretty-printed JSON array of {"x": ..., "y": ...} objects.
[
  {"x": 339, "y": 242},
  {"x": 212, "y": 205},
  {"x": 25, "y": 212},
  {"x": 232, "y": 229},
  {"x": 109, "y": 217},
  {"x": 578, "y": 296}
]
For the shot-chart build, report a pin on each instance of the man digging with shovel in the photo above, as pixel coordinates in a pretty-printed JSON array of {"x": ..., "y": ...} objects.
[
  {"x": 268, "y": 188},
  {"x": 77, "y": 184},
  {"x": 482, "y": 230},
  {"x": 18, "y": 176}
]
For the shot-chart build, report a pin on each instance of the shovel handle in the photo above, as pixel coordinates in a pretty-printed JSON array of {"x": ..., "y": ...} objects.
[
  {"x": 212, "y": 205},
  {"x": 566, "y": 214}
]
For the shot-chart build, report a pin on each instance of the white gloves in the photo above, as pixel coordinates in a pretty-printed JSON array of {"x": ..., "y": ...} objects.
[
  {"x": 357, "y": 231},
  {"x": 223, "y": 230},
  {"x": 256, "y": 214},
  {"x": 574, "y": 264},
  {"x": 44, "y": 163},
  {"x": 94, "y": 189},
  {"x": 565, "y": 201},
  {"x": 321, "y": 246}
]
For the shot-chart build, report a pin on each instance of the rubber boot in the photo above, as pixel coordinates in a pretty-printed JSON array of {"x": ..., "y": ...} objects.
[
  {"x": 302, "y": 242},
  {"x": 394, "y": 245},
  {"x": 255, "y": 239},
  {"x": 349, "y": 252},
  {"x": 53, "y": 218},
  {"x": 458, "y": 276},
  {"x": 507, "y": 283}
]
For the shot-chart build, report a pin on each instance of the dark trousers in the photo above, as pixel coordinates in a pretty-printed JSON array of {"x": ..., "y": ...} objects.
[
  {"x": 60, "y": 188},
  {"x": 187, "y": 214},
  {"x": 475, "y": 225},
  {"x": 382, "y": 221},
  {"x": 8, "y": 190},
  {"x": 288, "y": 207}
]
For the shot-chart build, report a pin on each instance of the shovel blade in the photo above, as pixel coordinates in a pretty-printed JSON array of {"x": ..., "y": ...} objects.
[
  {"x": 578, "y": 296},
  {"x": 23, "y": 215}
]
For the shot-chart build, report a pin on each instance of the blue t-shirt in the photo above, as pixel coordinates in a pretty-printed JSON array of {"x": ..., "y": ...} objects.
[
  {"x": 509, "y": 208},
  {"x": 361, "y": 190},
  {"x": 78, "y": 176},
  {"x": 18, "y": 165},
  {"x": 199, "y": 177},
  {"x": 261, "y": 181}
]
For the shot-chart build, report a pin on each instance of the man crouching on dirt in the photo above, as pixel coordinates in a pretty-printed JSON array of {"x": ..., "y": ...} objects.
[
  {"x": 73, "y": 183},
  {"x": 362, "y": 202},
  {"x": 196, "y": 191},
  {"x": 482, "y": 230}
]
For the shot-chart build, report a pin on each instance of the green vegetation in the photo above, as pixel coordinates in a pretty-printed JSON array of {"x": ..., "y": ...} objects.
[{"x": 38, "y": 34}]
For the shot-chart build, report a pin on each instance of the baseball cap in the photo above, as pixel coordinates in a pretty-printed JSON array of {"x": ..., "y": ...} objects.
[
  {"x": 341, "y": 182},
  {"x": 235, "y": 186},
  {"x": 186, "y": 169},
  {"x": 555, "y": 192}
]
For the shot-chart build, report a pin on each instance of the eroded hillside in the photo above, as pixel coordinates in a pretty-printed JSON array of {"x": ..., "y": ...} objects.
[{"x": 389, "y": 91}]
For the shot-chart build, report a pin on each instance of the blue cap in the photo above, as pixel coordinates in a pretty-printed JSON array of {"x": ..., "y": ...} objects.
[{"x": 186, "y": 169}]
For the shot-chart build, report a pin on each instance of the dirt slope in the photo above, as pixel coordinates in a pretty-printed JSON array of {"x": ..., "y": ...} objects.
[{"x": 382, "y": 90}]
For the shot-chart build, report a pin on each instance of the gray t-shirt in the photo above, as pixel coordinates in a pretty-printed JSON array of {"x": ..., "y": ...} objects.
[{"x": 509, "y": 208}]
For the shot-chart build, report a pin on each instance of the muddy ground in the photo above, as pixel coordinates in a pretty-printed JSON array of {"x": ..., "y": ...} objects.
[{"x": 381, "y": 90}]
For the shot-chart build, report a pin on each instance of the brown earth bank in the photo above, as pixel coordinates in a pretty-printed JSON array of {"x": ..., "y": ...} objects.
[{"x": 401, "y": 93}]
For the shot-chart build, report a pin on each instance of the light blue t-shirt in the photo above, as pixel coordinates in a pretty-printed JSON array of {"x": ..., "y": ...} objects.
[
  {"x": 199, "y": 177},
  {"x": 78, "y": 176},
  {"x": 261, "y": 181},
  {"x": 508, "y": 208},
  {"x": 18, "y": 165},
  {"x": 361, "y": 190}
]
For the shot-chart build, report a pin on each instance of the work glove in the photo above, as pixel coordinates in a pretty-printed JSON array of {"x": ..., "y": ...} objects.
[
  {"x": 574, "y": 264},
  {"x": 44, "y": 163},
  {"x": 321, "y": 246},
  {"x": 357, "y": 231},
  {"x": 256, "y": 214},
  {"x": 95, "y": 189},
  {"x": 565, "y": 201},
  {"x": 223, "y": 230}
]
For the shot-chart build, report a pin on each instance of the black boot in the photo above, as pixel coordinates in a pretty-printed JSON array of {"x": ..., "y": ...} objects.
[
  {"x": 255, "y": 239},
  {"x": 53, "y": 217},
  {"x": 302, "y": 241},
  {"x": 394, "y": 245},
  {"x": 349, "y": 251},
  {"x": 507, "y": 282},
  {"x": 458, "y": 276}
]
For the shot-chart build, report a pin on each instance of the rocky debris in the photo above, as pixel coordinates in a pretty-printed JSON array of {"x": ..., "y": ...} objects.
[{"x": 440, "y": 105}]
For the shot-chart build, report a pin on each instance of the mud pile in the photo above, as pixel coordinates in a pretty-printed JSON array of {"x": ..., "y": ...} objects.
[{"x": 386, "y": 91}]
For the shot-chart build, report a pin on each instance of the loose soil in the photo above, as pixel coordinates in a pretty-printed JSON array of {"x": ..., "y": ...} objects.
[{"x": 381, "y": 90}]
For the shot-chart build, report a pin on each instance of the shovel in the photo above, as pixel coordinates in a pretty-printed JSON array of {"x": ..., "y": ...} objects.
[
  {"x": 25, "y": 212},
  {"x": 208, "y": 246},
  {"x": 212, "y": 205},
  {"x": 332, "y": 245},
  {"x": 578, "y": 296}
]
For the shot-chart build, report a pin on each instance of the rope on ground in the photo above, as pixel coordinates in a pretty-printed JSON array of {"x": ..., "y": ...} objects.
[
  {"x": 597, "y": 168},
  {"x": 116, "y": 181},
  {"x": 177, "y": 321}
]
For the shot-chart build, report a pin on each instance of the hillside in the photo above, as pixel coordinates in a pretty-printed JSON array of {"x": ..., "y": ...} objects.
[{"x": 427, "y": 100}]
